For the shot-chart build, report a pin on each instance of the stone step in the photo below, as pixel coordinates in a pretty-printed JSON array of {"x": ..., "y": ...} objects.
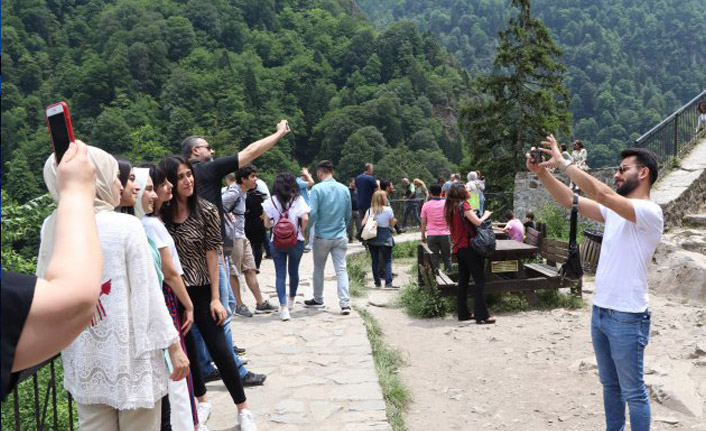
[
  {"x": 695, "y": 245},
  {"x": 695, "y": 219}
]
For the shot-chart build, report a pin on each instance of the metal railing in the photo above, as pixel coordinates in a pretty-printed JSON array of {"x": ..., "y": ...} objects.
[
  {"x": 44, "y": 410},
  {"x": 496, "y": 202},
  {"x": 672, "y": 137}
]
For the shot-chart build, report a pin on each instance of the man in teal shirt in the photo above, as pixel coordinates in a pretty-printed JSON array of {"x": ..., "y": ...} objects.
[{"x": 330, "y": 203}]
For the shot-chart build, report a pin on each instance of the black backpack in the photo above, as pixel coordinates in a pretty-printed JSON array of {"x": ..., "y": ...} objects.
[
  {"x": 572, "y": 269},
  {"x": 483, "y": 242}
]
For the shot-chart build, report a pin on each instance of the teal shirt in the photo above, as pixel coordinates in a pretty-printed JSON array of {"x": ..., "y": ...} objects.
[{"x": 330, "y": 203}]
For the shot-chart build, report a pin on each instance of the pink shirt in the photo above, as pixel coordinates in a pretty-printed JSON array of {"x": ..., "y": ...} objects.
[
  {"x": 433, "y": 212},
  {"x": 515, "y": 230}
]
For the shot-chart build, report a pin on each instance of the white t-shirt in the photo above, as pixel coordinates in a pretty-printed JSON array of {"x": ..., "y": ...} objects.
[
  {"x": 384, "y": 217},
  {"x": 621, "y": 277},
  {"x": 155, "y": 229},
  {"x": 299, "y": 208}
]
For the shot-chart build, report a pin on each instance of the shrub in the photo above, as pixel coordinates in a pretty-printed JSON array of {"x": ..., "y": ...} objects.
[{"x": 424, "y": 303}]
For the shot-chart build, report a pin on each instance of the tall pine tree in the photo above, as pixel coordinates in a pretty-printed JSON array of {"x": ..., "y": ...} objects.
[{"x": 522, "y": 101}]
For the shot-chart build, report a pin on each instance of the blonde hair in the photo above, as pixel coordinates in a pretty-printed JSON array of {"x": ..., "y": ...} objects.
[
  {"x": 417, "y": 182},
  {"x": 379, "y": 202}
]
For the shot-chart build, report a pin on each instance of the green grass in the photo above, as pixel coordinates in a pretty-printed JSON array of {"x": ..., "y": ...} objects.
[
  {"x": 405, "y": 249},
  {"x": 356, "y": 266},
  {"x": 424, "y": 303},
  {"x": 387, "y": 363}
]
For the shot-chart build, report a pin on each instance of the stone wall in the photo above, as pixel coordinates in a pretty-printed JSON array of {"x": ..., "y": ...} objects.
[{"x": 530, "y": 194}]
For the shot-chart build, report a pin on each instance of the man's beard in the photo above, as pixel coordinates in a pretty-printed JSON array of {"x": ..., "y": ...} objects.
[{"x": 628, "y": 186}]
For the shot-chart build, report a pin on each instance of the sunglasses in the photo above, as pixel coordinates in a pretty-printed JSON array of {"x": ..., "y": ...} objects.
[{"x": 622, "y": 169}]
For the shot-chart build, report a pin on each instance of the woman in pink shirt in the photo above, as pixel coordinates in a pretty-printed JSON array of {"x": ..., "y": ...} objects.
[{"x": 435, "y": 231}]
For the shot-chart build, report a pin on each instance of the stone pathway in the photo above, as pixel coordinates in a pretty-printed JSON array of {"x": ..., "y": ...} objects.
[{"x": 319, "y": 365}]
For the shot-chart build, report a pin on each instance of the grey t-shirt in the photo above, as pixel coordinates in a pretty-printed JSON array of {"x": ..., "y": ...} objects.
[{"x": 234, "y": 204}]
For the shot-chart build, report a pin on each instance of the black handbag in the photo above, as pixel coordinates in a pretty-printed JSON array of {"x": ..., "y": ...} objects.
[
  {"x": 572, "y": 269},
  {"x": 483, "y": 242}
]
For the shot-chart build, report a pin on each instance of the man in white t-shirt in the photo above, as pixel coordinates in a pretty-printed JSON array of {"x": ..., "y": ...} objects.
[{"x": 620, "y": 325}]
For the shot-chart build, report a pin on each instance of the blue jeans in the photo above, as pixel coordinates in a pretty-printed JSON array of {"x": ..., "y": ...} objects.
[
  {"x": 337, "y": 248},
  {"x": 280, "y": 259},
  {"x": 228, "y": 302},
  {"x": 619, "y": 341},
  {"x": 375, "y": 257}
]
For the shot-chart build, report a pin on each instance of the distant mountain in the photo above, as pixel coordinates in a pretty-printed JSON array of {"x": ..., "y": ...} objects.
[{"x": 630, "y": 63}]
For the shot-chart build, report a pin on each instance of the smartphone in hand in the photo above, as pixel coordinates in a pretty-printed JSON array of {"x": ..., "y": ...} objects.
[
  {"x": 60, "y": 130},
  {"x": 537, "y": 156}
]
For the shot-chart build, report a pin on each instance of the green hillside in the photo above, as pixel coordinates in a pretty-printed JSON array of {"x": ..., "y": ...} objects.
[
  {"x": 630, "y": 63},
  {"x": 140, "y": 75}
]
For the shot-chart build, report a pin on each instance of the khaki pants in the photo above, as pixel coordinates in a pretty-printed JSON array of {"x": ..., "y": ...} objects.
[{"x": 100, "y": 417}]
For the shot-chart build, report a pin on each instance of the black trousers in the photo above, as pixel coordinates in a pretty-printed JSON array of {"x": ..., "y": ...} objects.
[
  {"x": 215, "y": 340},
  {"x": 470, "y": 264}
]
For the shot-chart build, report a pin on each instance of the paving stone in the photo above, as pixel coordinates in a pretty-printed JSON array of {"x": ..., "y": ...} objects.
[
  {"x": 299, "y": 381},
  {"x": 357, "y": 375},
  {"x": 367, "y": 405},
  {"x": 290, "y": 406},
  {"x": 322, "y": 410},
  {"x": 361, "y": 391},
  {"x": 368, "y": 426},
  {"x": 292, "y": 349},
  {"x": 293, "y": 418}
]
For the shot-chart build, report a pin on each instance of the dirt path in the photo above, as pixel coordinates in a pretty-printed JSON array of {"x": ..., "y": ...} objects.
[{"x": 535, "y": 370}]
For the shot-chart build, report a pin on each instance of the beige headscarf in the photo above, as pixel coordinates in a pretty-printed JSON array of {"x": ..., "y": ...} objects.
[
  {"x": 141, "y": 177},
  {"x": 106, "y": 173}
]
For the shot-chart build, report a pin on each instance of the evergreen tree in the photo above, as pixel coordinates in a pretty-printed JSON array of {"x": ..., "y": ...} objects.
[{"x": 522, "y": 101}]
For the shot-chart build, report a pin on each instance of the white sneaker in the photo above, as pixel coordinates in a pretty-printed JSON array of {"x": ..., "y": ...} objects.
[
  {"x": 243, "y": 359},
  {"x": 247, "y": 420},
  {"x": 284, "y": 314},
  {"x": 203, "y": 411},
  {"x": 202, "y": 427},
  {"x": 290, "y": 302}
]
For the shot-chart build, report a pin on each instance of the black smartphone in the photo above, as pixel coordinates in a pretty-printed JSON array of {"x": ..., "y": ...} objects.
[
  {"x": 537, "y": 156},
  {"x": 60, "y": 130}
]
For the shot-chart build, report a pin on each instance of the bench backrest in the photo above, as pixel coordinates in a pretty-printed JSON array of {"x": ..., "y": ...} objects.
[
  {"x": 533, "y": 237},
  {"x": 555, "y": 251}
]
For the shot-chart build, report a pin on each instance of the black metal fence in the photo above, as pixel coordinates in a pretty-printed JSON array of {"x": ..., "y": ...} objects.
[
  {"x": 39, "y": 402},
  {"x": 672, "y": 137}
]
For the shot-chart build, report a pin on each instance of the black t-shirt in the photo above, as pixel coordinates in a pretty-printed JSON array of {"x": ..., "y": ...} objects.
[
  {"x": 209, "y": 176},
  {"x": 17, "y": 294},
  {"x": 255, "y": 229}
]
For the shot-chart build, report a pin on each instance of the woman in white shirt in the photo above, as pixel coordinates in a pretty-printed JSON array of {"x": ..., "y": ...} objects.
[
  {"x": 580, "y": 155},
  {"x": 383, "y": 242},
  {"x": 286, "y": 200},
  {"x": 116, "y": 368}
]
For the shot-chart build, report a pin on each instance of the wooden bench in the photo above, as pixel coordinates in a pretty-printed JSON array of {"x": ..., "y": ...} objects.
[{"x": 529, "y": 277}]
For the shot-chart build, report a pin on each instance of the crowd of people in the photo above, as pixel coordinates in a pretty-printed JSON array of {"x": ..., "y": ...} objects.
[{"x": 163, "y": 249}]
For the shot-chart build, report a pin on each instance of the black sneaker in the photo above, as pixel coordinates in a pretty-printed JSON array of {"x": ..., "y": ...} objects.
[
  {"x": 313, "y": 303},
  {"x": 265, "y": 307},
  {"x": 212, "y": 377},
  {"x": 345, "y": 311},
  {"x": 252, "y": 379},
  {"x": 239, "y": 351}
]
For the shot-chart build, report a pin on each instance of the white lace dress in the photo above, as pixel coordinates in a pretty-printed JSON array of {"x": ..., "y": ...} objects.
[{"x": 118, "y": 360}]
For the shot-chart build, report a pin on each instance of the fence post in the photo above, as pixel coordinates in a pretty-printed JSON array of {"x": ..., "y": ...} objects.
[{"x": 676, "y": 134}]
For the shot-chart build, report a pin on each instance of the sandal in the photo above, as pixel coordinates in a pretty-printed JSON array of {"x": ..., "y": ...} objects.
[{"x": 489, "y": 321}]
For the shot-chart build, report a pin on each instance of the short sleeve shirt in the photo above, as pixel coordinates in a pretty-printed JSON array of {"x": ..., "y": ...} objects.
[
  {"x": 384, "y": 217},
  {"x": 157, "y": 232},
  {"x": 626, "y": 251},
  {"x": 209, "y": 176},
  {"x": 433, "y": 213},
  {"x": 234, "y": 203},
  {"x": 193, "y": 238},
  {"x": 303, "y": 189},
  {"x": 459, "y": 234},
  {"x": 299, "y": 207},
  {"x": 515, "y": 230},
  {"x": 17, "y": 294},
  {"x": 365, "y": 185}
]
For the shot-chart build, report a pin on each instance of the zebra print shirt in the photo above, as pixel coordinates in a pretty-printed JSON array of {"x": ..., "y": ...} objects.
[{"x": 193, "y": 239}]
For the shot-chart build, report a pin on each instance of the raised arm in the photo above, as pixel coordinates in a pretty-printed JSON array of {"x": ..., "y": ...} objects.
[
  {"x": 65, "y": 298},
  {"x": 258, "y": 148}
]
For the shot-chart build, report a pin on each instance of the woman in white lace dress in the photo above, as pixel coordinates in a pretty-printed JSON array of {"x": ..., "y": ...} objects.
[{"x": 116, "y": 368}]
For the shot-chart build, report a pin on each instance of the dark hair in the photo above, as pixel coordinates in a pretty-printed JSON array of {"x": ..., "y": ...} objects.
[
  {"x": 245, "y": 172},
  {"x": 455, "y": 195},
  {"x": 170, "y": 167},
  {"x": 435, "y": 189},
  {"x": 156, "y": 173},
  {"x": 124, "y": 169},
  {"x": 384, "y": 184},
  {"x": 230, "y": 177},
  {"x": 367, "y": 167},
  {"x": 529, "y": 215},
  {"x": 702, "y": 107},
  {"x": 325, "y": 165},
  {"x": 188, "y": 145},
  {"x": 645, "y": 158},
  {"x": 509, "y": 215},
  {"x": 579, "y": 143},
  {"x": 285, "y": 188},
  {"x": 563, "y": 147}
]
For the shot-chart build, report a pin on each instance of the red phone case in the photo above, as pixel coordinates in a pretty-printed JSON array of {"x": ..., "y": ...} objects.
[{"x": 67, "y": 119}]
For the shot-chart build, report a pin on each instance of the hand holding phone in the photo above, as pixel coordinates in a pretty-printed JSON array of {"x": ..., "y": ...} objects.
[{"x": 60, "y": 130}]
